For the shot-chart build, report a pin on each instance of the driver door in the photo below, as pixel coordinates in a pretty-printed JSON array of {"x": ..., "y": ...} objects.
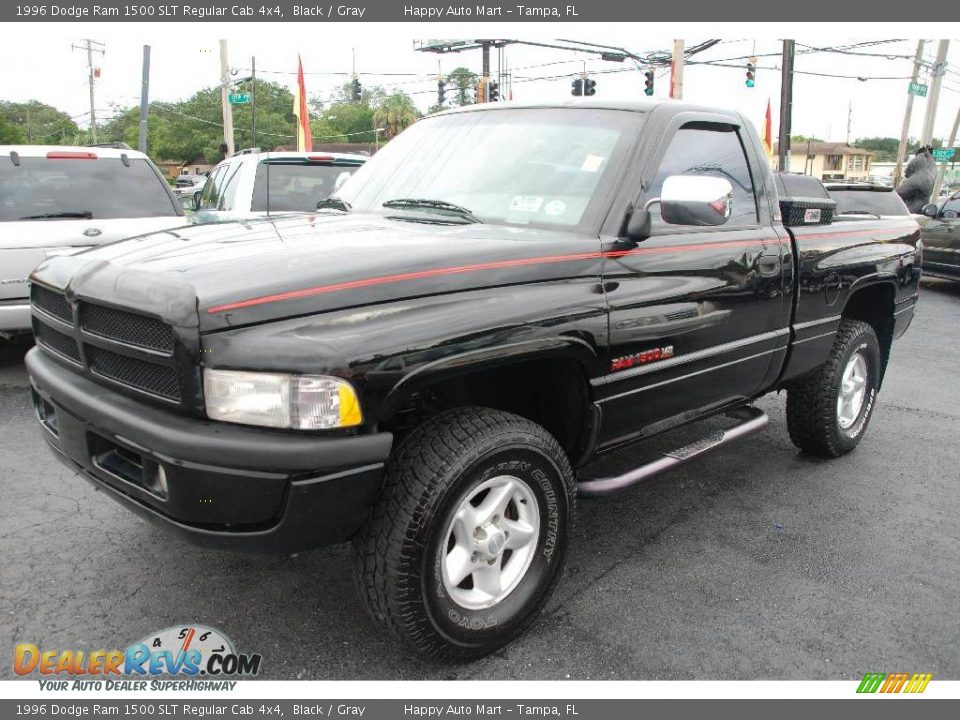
[{"x": 698, "y": 315}]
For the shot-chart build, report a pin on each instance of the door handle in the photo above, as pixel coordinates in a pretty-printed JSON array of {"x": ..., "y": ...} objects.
[{"x": 768, "y": 263}]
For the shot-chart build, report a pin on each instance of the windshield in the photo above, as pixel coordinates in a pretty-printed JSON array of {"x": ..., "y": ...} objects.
[
  {"x": 542, "y": 166},
  {"x": 295, "y": 186},
  {"x": 877, "y": 202},
  {"x": 70, "y": 189}
]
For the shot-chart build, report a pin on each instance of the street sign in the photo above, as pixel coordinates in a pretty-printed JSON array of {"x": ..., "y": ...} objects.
[
  {"x": 945, "y": 154},
  {"x": 918, "y": 89},
  {"x": 239, "y": 98}
]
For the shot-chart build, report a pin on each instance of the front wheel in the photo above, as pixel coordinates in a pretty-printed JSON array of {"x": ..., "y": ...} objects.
[
  {"x": 470, "y": 534},
  {"x": 828, "y": 410}
]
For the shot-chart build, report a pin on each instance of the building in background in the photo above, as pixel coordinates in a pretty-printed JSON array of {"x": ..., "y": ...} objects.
[
  {"x": 829, "y": 160},
  {"x": 175, "y": 168}
]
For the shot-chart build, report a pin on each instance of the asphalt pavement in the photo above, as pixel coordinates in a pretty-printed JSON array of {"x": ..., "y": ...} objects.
[{"x": 755, "y": 562}]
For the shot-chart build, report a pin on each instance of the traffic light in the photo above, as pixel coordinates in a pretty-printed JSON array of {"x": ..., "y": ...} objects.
[
  {"x": 493, "y": 92},
  {"x": 751, "y": 72},
  {"x": 589, "y": 87},
  {"x": 441, "y": 90},
  {"x": 356, "y": 90},
  {"x": 648, "y": 83},
  {"x": 577, "y": 86}
]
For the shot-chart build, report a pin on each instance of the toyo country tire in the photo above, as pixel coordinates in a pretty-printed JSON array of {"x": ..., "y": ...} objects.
[
  {"x": 823, "y": 415},
  {"x": 437, "y": 476}
]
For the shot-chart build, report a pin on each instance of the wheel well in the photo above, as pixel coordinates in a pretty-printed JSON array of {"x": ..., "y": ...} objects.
[
  {"x": 874, "y": 305},
  {"x": 551, "y": 392}
]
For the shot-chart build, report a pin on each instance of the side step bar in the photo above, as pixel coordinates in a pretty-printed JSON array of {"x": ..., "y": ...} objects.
[{"x": 752, "y": 420}]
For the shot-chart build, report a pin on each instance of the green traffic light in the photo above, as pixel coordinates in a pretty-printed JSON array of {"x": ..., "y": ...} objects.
[
  {"x": 750, "y": 83},
  {"x": 648, "y": 91}
]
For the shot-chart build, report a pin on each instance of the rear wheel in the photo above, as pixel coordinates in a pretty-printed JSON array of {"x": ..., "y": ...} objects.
[
  {"x": 829, "y": 409},
  {"x": 470, "y": 534}
]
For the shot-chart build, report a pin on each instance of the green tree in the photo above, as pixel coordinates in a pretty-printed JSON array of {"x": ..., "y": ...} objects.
[
  {"x": 794, "y": 139},
  {"x": 41, "y": 123},
  {"x": 884, "y": 149},
  {"x": 465, "y": 82},
  {"x": 395, "y": 113},
  {"x": 10, "y": 134}
]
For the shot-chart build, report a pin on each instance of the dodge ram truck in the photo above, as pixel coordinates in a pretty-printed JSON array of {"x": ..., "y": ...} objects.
[{"x": 433, "y": 363}]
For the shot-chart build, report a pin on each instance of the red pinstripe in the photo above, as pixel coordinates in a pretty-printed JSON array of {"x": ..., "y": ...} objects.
[{"x": 500, "y": 264}]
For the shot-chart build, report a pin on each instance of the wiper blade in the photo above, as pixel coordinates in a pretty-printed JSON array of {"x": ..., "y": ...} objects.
[
  {"x": 428, "y": 204},
  {"x": 82, "y": 214},
  {"x": 859, "y": 212},
  {"x": 334, "y": 203}
]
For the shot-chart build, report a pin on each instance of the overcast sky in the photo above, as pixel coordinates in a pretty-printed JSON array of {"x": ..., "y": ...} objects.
[{"x": 39, "y": 63}]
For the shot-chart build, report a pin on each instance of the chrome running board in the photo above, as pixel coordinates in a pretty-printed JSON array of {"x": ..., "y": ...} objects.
[{"x": 752, "y": 420}]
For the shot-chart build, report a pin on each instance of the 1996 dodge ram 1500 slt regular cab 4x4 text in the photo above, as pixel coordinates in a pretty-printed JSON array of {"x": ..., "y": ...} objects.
[{"x": 430, "y": 364}]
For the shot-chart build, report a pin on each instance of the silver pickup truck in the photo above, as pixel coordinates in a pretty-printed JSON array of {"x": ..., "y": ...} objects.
[{"x": 59, "y": 200}]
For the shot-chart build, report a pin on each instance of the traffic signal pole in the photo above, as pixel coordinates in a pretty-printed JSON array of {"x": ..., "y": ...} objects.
[
  {"x": 905, "y": 130},
  {"x": 786, "y": 106},
  {"x": 144, "y": 99}
]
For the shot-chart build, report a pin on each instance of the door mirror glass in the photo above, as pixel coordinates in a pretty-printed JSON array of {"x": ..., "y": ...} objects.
[
  {"x": 186, "y": 202},
  {"x": 930, "y": 210},
  {"x": 696, "y": 200}
]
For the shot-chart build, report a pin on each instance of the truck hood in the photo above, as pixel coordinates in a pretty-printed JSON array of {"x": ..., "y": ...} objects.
[{"x": 241, "y": 273}]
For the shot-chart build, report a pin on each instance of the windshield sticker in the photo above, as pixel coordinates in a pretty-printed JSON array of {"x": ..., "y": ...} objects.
[
  {"x": 526, "y": 203},
  {"x": 591, "y": 163},
  {"x": 555, "y": 207}
]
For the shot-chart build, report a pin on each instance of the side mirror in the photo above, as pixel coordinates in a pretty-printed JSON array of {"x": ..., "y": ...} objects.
[
  {"x": 695, "y": 200},
  {"x": 186, "y": 202},
  {"x": 638, "y": 226},
  {"x": 930, "y": 210}
]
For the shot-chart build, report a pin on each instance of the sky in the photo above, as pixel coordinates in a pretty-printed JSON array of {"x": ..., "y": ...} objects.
[{"x": 185, "y": 58}]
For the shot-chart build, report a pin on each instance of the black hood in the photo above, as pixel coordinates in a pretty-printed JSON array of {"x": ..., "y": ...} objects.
[{"x": 239, "y": 273}]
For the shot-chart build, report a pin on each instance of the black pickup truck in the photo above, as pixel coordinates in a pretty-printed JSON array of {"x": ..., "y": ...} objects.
[{"x": 431, "y": 363}]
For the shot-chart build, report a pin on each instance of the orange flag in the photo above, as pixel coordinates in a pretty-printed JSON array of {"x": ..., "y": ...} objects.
[
  {"x": 304, "y": 141},
  {"x": 768, "y": 131}
]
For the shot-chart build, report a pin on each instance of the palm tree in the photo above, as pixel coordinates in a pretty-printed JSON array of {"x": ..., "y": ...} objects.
[{"x": 394, "y": 114}]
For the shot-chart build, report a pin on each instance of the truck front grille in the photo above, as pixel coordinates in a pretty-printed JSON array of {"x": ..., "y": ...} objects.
[
  {"x": 133, "y": 372},
  {"x": 56, "y": 341},
  {"x": 51, "y": 303},
  {"x": 123, "y": 347},
  {"x": 127, "y": 327}
]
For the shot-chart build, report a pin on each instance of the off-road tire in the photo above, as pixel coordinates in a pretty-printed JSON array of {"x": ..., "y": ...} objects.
[
  {"x": 812, "y": 418},
  {"x": 397, "y": 554}
]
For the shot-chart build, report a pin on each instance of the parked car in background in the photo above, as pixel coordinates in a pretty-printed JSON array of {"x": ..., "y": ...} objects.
[
  {"x": 189, "y": 187},
  {"x": 867, "y": 199},
  {"x": 59, "y": 200},
  {"x": 940, "y": 230},
  {"x": 254, "y": 183}
]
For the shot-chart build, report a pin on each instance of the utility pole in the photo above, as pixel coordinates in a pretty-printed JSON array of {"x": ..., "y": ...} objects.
[
  {"x": 905, "y": 130},
  {"x": 849, "y": 119},
  {"x": 253, "y": 99},
  {"x": 91, "y": 46},
  {"x": 943, "y": 166},
  {"x": 939, "y": 70},
  {"x": 786, "y": 106},
  {"x": 144, "y": 99},
  {"x": 225, "y": 98},
  {"x": 676, "y": 71}
]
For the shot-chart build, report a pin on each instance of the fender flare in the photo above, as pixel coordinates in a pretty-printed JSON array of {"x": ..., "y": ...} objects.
[{"x": 562, "y": 346}]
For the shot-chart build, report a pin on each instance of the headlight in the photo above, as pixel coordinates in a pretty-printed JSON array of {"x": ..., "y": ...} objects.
[{"x": 302, "y": 402}]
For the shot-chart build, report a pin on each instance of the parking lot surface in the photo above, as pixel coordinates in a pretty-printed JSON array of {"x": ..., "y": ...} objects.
[{"x": 755, "y": 562}]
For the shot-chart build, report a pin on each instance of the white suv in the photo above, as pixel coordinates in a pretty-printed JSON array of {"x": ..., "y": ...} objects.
[
  {"x": 253, "y": 183},
  {"x": 57, "y": 200}
]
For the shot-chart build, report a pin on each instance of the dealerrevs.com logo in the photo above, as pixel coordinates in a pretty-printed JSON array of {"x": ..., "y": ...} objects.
[
  {"x": 888, "y": 683},
  {"x": 189, "y": 652}
]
